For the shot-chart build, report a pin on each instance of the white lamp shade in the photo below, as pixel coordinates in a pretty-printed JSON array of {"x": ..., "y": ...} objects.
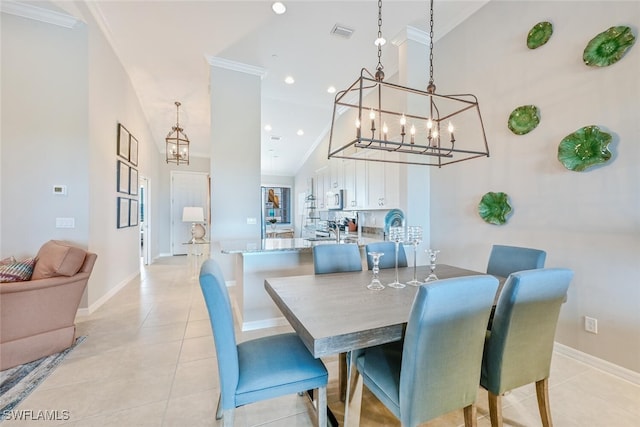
[{"x": 192, "y": 214}]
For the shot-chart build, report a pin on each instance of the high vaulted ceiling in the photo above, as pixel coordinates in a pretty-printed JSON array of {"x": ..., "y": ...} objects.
[{"x": 165, "y": 46}]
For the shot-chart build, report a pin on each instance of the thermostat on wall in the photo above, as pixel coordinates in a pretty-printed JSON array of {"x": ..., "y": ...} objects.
[{"x": 60, "y": 190}]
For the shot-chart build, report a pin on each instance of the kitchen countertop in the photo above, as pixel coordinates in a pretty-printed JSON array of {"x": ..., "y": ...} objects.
[{"x": 246, "y": 246}]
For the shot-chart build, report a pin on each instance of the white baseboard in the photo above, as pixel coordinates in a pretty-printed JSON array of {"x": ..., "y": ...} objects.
[
  {"x": 83, "y": 312},
  {"x": 603, "y": 365}
]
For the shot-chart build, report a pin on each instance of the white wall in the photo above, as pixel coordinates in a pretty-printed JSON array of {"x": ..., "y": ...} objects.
[
  {"x": 587, "y": 221},
  {"x": 63, "y": 93},
  {"x": 44, "y": 134},
  {"x": 235, "y": 159}
]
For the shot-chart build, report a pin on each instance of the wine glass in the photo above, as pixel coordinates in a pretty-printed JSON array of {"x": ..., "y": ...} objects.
[
  {"x": 432, "y": 257},
  {"x": 396, "y": 234},
  {"x": 414, "y": 236},
  {"x": 375, "y": 284}
]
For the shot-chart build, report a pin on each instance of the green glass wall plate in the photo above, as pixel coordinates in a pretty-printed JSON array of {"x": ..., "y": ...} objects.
[
  {"x": 524, "y": 119},
  {"x": 539, "y": 34},
  {"x": 494, "y": 208},
  {"x": 586, "y": 147},
  {"x": 608, "y": 47}
]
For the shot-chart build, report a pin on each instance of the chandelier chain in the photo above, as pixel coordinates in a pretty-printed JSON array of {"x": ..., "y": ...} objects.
[
  {"x": 431, "y": 44},
  {"x": 380, "y": 67}
]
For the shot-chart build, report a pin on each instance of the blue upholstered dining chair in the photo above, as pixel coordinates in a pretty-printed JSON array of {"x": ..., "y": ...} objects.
[
  {"x": 436, "y": 369},
  {"x": 258, "y": 369},
  {"x": 519, "y": 346},
  {"x": 388, "y": 260},
  {"x": 336, "y": 258},
  {"x": 505, "y": 260}
]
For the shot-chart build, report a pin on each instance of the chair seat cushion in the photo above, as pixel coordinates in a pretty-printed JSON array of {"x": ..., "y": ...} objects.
[
  {"x": 275, "y": 366},
  {"x": 380, "y": 370}
]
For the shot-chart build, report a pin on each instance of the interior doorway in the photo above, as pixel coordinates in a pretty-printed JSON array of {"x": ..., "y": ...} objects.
[
  {"x": 187, "y": 189},
  {"x": 145, "y": 230}
]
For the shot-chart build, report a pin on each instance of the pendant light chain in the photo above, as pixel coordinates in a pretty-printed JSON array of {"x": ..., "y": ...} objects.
[
  {"x": 432, "y": 87},
  {"x": 379, "y": 39}
]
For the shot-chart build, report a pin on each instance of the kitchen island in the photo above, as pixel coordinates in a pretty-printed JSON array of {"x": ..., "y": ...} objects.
[{"x": 256, "y": 260}]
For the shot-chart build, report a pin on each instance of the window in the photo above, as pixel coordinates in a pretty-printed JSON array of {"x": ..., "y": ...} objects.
[{"x": 276, "y": 202}]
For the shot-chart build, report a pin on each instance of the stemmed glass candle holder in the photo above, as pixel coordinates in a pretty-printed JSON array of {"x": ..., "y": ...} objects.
[
  {"x": 432, "y": 257},
  {"x": 396, "y": 234},
  {"x": 414, "y": 236},
  {"x": 375, "y": 284}
]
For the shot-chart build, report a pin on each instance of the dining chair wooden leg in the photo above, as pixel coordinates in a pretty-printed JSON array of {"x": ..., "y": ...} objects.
[
  {"x": 495, "y": 409},
  {"x": 470, "y": 416},
  {"x": 219, "y": 408},
  {"x": 542, "y": 392}
]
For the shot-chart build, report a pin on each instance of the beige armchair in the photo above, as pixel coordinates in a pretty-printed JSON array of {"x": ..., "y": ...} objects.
[{"x": 37, "y": 317}]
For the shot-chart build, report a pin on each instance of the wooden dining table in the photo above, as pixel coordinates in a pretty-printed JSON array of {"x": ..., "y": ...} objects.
[{"x": 337, "y": 314}]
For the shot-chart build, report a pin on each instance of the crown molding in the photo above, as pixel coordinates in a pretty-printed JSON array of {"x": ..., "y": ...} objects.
[
  {"x": 413, "y": 34},
  {"x": 29, "y": 11},
  {"x": 216, "y": 61}
]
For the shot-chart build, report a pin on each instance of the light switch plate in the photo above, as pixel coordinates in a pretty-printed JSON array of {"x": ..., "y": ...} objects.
[{"x": 65, "y": 223}]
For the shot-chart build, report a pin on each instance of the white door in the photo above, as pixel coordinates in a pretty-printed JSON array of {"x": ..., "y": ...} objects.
[{"x": 187, "y": 189}]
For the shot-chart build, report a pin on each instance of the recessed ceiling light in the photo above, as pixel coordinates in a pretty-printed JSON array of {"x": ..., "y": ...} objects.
[
  {"x": 300, "y": 132},
  {"x": 279, "y": 8},
  {"x": 331, "y": 89},
  {"x": 267, "y": 128},
  {"x": 289, "y": 80}
]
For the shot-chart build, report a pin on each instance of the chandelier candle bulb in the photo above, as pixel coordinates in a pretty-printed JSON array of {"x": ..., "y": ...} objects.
[
  {"x": 413, "y": 134},
  {"x": 385, "y": 130},
  {"x": 372, "y": 116},
  {"x": 453, "y": 139}
]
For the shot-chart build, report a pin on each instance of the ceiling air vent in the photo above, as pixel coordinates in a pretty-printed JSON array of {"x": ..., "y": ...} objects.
[
  {"x": 275, "y": 138},
  {"x": 342, "y": 31}
]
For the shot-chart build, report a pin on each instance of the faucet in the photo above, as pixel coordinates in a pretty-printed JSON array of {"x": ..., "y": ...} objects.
[{"x": 333, "y": 226}]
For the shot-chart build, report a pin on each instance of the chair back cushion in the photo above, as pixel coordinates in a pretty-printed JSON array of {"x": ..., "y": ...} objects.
[
  {"x": 442, "y": 352},
  {"x": 336, "y": 258},
  {"x": 505, "y": 260},
  {"x": 519, "y": 346},
  {"x": 388, "y": 260},
  {"x": 216, "y": 297}
]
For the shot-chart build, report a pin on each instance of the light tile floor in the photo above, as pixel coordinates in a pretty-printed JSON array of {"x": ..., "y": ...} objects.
[{"x": 149, "y": 360}]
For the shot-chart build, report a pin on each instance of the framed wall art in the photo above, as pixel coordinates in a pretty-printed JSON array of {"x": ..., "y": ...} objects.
[
  {"x": 123, "y": 177},
  {"x": 123, "y": 212},
  {"x": 133, "y": 213},
  {"x": 133, "y": 150},
  {"x": 123, "y": 142},
  {"x": 133, "y": 181}
]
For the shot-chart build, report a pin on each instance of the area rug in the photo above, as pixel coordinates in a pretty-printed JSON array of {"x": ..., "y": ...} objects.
[{"x": 16, "y": 383}]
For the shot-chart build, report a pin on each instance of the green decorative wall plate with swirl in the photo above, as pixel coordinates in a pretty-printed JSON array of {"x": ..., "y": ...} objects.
[
  {"x": 524, "y": 119},
  {"x": 586, "y": 147},
  {"x": 494, "y": 208},
  {"x": 608, "y": 47},
  {"x": 539, "y": 34}
]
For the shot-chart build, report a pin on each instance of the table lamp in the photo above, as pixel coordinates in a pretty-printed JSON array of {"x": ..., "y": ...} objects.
[{"x": 194, "y": 215}]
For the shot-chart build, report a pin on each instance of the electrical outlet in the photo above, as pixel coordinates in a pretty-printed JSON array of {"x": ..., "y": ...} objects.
[{"x": 591, "y": 324}]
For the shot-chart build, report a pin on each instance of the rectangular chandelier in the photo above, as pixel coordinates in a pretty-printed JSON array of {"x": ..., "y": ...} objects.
[{"x": 385, "y": 122}]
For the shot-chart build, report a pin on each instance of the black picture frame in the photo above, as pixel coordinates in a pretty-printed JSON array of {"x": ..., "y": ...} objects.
[
  {"x": 133, "y": 181},
  {"x": 133, "y": 213},
  {"x": 123, "y": 142},
  {"x": 133, "y": 150},
  {"x": 122, "y": 219},
  {"x": 123, "y": 177}
]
